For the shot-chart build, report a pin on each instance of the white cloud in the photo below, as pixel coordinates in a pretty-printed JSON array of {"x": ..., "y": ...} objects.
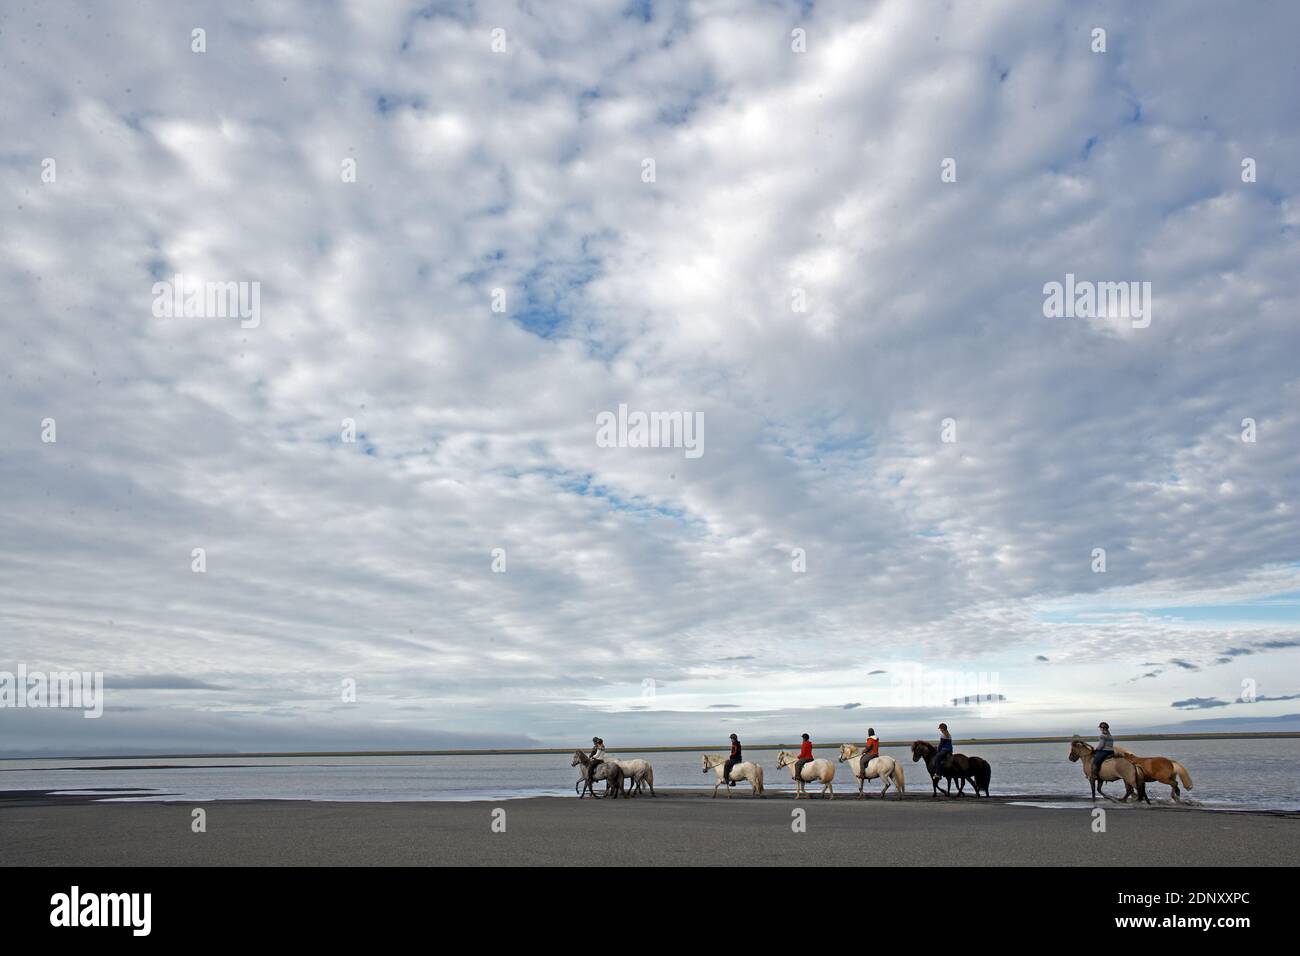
[{"x": 522, "y": 171}]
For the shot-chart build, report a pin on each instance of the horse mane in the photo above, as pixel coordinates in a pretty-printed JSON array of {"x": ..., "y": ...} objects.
[{"x": 923, "y": 743}]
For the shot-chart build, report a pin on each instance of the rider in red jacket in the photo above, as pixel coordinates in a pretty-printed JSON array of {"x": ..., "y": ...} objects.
[
  {"x": 805, "y": 755},
  {"x": 870, "y": 751}
]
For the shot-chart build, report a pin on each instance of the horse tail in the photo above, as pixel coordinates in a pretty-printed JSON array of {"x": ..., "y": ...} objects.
[
  {"x": 1183, "y": 775},
  {"x": 758, "y": 775},
  {"x": 898, "y": 777},
  {"x": 983, "y": 773}
]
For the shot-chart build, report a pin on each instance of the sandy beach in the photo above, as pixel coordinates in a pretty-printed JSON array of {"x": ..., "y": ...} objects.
[{"x": 677, "y": 828}]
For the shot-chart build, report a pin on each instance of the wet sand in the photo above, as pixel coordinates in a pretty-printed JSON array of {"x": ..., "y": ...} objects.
[{"x": 677, "y": 828}]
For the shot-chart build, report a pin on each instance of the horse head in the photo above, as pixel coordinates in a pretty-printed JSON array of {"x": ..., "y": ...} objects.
[
  {"x": 847, "y": 751},
  {"x": 920, "y": 748},
  {"x": 782, "y": 759},
  {"x": 710, "y": 761},
  {"x": 578, "y": 757},
  {"x": 1078, "y": 750}
]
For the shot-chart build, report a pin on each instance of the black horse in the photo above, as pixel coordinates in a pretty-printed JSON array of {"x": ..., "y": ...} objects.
[{"x": 959, "y": 767}]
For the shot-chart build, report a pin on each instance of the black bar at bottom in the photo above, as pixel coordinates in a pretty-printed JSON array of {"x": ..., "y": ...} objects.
[{"x": 331, "y": 905}]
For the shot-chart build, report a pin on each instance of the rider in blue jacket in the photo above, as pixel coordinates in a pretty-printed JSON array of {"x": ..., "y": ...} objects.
[{"x": 944, "y": 750}]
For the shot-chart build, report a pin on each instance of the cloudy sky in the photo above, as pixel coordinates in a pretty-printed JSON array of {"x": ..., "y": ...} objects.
[{"x": 799, "y": 267}]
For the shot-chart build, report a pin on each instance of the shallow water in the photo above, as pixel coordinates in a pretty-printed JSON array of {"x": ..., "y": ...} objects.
[{"x": 1249, "y": 774}]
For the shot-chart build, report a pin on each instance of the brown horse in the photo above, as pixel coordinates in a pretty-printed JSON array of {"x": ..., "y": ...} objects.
[
  {"x": 1112, "y": 768},
  {"x": 1160, "y": 769},
  {"x": 959, "y": 767}
]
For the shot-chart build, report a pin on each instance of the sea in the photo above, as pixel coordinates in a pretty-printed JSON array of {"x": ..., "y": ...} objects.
[{"x": 1259, "y": 774}]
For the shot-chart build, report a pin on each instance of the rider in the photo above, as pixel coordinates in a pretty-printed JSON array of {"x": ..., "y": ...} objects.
[
  {"x": 732, "y": 760},
  {"x": 944, "y": 750},
  {"x": 1105, "y": 748},
  {"x": 805, "y": 755},
  {"x": 597, "y": 756},
  {"x": 870, "y": 751}
]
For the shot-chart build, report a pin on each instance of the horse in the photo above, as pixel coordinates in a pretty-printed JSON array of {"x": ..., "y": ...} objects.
[
  {"x": 959, "y": 767},
  {"x": 814, "y": 771},
  {"x": 637, "y": 773},
  {"x": 741, "y": 771},
  {"x": 884, "y": 768},
  {"x": 609, "y": 771},
  {"x": 1159, "y": 769},
  {"x": 1112, "y": 768}
]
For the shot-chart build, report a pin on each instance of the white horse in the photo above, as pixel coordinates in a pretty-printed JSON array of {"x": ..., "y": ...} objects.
[
  {"x": 741, "y": 771},
  {"x": 814, "y": 771},
  {"x": 637, "y": 773},
  {"x": 886, "y": 768}
]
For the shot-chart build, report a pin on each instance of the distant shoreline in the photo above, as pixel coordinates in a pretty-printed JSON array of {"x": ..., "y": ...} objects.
[{"x": 692, "y": 748}]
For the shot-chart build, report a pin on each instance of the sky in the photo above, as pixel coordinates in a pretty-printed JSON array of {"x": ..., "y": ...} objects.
[{"x": 823, "y": 231}]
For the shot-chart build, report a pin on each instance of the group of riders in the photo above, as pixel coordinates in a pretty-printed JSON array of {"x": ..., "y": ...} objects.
[{"x": 870, "y": 750}]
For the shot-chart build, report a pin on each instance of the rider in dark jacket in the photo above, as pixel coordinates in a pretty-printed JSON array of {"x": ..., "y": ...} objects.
[{"x": 734, "y": 758}]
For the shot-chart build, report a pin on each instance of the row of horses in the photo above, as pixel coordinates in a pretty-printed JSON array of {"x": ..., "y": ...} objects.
[{"x": 637, "y": 774}]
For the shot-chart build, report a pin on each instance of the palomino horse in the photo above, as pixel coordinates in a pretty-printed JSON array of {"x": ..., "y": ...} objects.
[
  {"x": 814, "y": 771},
  {"x": 959, "y": 767},
  {"x": 741, "y": 771},
  {"x": 609, "y": 771},
  {"x": 1112, "y": 768},
  {"x": 886, "y": 768},
  {"x": 1159, "y": 769}
]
